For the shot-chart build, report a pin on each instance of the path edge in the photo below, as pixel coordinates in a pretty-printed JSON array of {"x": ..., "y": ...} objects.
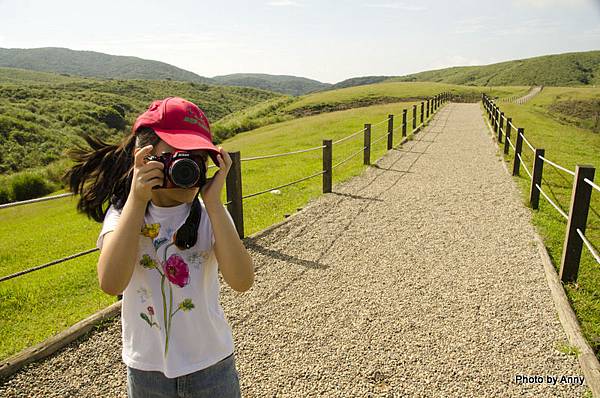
[{"x": 587, "y": 359}]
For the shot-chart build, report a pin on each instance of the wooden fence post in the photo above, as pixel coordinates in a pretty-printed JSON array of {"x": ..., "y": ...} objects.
[
  {"x": 578, "y": 212},
  {"x": 367, "y": 144},
  {"x": 422, "y": 106},
  {"x": 390, "y": 141},
  {"x": 414, "y": 115},
  {"x": 518, "y": 150},
  {"x": 327, "y": 156},
  {"x": 500, "y": 125},
  {"x": 428, "y": 105},
  {"x": 233, "y": 183},
  {"x": 507, "y": 138},
  {"x": 538, "y": 167},
  {"x": 404, "y": 122},
  {"x": 496, "y": 119}
]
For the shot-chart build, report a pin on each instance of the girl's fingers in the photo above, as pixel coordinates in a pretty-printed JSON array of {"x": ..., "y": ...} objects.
[{"x": 140, "y": 153}]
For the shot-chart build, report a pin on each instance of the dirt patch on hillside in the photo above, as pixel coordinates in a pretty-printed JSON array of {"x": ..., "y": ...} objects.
[{"x": 583, "y": 113}]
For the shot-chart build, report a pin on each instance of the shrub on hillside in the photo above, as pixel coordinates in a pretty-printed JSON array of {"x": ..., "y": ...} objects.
[
  {"x": 111, "y": 117},
  {"x": 29, "y": 185},
  {"x": 5, "y": 194}
]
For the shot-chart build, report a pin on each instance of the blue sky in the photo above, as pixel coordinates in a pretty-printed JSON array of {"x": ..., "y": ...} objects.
[{"x": 324, "y": 40}]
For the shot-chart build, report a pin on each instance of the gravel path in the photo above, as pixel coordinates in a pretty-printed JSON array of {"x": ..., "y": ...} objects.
[
  {"x": 418, "y": 278},
  {"x": 532, "y": 93}
]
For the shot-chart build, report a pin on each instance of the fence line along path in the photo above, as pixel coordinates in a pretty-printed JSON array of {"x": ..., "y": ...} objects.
[{"x": 417, "y": 278}]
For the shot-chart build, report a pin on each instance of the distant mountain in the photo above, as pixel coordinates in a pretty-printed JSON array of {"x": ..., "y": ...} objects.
[
  {"x": 569, "y": 69},
  {"x": 291, "y": 85},
  {"x": 105, "y": 66},
  {"x": 93, "y": 64}
]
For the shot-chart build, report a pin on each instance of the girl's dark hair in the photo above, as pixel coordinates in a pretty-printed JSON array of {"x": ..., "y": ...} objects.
[{"x": 104, "y": 174}]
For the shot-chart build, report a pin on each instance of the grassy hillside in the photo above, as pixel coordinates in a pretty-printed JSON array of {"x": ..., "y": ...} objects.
[
  {"x": 105, "y": 66},
  {"x": 38, "y": 119},
  {"x": 359, "y": 81},
  {"x": 569, "y": 69},
  {"x": 93, "y": 64},
  {"x": 23, "y": 76},
  {"x": 288, "y": 108},
  {"x": 391, "y": 91},
  {"x": 291, "y": 85},
  {"x": 45, "y": 302},
  {"x": 574, "y": 106}
]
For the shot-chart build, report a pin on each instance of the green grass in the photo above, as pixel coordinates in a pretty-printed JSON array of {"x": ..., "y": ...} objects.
[
  {"x": 568, "y": 69},
  {"x": 288, "y": 108},
  {"x": 403, "y": 90},
  {"x": 566, "y": 145},
  {"x": 40, "y": 119},
  {"x": 40, "y": 304}
]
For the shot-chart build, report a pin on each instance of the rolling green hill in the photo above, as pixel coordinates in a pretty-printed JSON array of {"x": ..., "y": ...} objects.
[
  {"x": 77, "y": 64},
  {"x": 93, "y": 64},
  {"x": 359, "y": 81},
  {"x": 284, "y": 84},
  {"x": 569, "y": 69},
  {"x": 41, "y": 114}
]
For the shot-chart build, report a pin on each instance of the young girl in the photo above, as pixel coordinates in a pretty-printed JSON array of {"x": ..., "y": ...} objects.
[{"x": 160, "y": 247}]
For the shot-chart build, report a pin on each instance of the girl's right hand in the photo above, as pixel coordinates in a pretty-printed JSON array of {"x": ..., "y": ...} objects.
[{"x": 145, "y": 175}]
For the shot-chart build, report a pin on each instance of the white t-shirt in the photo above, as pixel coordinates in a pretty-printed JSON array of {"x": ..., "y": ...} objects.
[{"x": 199, "y": 335}]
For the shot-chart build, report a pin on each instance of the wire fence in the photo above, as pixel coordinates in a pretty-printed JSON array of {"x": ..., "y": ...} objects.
[
  {"x": 582, "y": 188},
  {"x": 233, "y": 186}
]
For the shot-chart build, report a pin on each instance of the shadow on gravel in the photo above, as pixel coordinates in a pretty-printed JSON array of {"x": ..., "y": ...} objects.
[
  {"x": 403, "y": 151},
  {"x": 284, "y": 257},
  {"x": 397, "y": 171},
  {"x": 253, "y": 246},
  {"x": 349, "y": 195}
]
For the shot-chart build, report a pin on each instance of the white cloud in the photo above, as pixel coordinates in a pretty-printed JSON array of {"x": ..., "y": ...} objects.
[
  {"x": 473, "y": 25},
  {"x": 284, "y": 3},
  {"x": 398, "y": 6},
  {"x": 552, "y": 3},
  {"x": 529, "y": 27}
]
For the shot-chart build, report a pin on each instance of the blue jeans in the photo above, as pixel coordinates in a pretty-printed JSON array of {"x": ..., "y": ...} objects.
[{"x": 218, "y": 380}]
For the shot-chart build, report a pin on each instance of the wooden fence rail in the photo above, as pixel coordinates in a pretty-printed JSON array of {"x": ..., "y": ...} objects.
[{"x": 580, "y": 196}]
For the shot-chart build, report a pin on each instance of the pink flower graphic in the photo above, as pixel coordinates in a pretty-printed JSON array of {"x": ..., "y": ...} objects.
[{"x": 177, "y": 270}]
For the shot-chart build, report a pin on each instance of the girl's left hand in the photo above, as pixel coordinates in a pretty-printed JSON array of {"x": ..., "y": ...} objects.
[{"x": 211, "y": 191}]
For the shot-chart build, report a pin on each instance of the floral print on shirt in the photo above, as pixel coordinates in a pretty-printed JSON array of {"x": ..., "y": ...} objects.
[
  {"x": 174, "y": 271},
  {"x": 195, "y": 259}
]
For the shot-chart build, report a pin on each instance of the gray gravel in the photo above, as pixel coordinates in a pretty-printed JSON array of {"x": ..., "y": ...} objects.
[{"x": 418, "y": 278}]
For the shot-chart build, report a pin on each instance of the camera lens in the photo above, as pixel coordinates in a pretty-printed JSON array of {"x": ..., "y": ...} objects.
[{"x": 184, "y": 173}]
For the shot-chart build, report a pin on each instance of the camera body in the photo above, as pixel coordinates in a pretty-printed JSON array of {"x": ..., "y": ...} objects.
[{"x": 182, "y": 169}]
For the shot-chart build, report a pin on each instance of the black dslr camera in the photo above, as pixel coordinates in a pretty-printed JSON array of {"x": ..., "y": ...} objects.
[{"x": 182, "y": 169}]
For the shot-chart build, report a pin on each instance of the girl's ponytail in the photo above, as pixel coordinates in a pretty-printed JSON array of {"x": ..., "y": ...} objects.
[{"x": 104, "y": 172}]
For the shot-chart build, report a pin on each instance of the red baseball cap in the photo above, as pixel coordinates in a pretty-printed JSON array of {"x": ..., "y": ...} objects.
[{"x": 179, "y": 123}]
